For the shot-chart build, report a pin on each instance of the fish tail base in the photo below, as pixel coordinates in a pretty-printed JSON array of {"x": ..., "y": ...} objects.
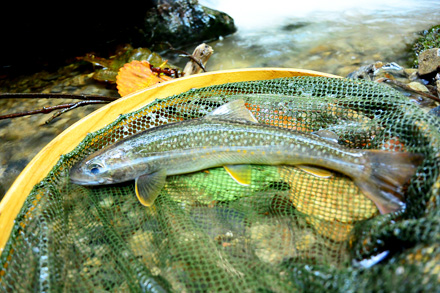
[{"x": 388, "y": 175}]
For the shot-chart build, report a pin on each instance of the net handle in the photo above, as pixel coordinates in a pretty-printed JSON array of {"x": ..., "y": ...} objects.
[{"x": 65, "y": 142}]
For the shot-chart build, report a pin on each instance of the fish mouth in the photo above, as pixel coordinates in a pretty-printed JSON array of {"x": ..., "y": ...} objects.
[
  {"x": 82, "y": 181},
  {"x": 85, "y": 181}
]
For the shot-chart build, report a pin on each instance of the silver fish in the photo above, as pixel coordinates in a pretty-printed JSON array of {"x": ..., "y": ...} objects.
[{"x": 231, "y": 137}]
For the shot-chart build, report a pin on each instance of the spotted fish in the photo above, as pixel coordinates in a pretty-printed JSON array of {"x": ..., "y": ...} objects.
[{"x": 231, "y": 137}]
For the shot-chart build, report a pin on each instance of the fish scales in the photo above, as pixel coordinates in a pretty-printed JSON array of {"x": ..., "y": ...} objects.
[{"x": 231, "y": 137}]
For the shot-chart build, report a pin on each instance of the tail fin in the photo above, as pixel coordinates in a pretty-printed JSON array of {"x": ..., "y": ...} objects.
[{"x": 389, "y": 173}]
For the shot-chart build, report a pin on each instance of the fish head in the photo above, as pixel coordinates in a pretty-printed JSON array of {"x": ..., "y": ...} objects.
[
  {"x": 91, "y": 172},
  {"x": 106, "y": 166},
  {"x": 109, "y": 166}
]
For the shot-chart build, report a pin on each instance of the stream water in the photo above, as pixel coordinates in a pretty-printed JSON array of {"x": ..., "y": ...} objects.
[
  {"x": 335, "y": 37},
  {"x": 330, "y": 36}
]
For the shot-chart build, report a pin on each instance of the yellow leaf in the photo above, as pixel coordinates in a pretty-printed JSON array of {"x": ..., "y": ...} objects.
[{"x": 137, "y": 75}]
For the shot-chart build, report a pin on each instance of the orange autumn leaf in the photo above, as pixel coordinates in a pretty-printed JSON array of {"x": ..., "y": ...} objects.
[{"x": 137, "y": 75}]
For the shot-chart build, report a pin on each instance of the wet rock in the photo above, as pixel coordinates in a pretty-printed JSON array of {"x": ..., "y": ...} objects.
[
  {"x": 414, "y": 76},
  {"x": 365, "y": 72},
  {"x": 417, "y": 86},
  {"x": 184, "y": 22},
  {"x": 9, "y": 173},
  {"x": 377, "y": 70},
  {"x": 437, "y": 83},
  {"x": 410, "y": 72},
  {"x": 435, "y": 111},
  {"x": 429, "y": 61},
  {"x": 294, "y": 26}
]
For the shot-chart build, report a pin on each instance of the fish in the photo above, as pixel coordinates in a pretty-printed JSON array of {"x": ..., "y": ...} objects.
[{"x": 231, "y": 137}]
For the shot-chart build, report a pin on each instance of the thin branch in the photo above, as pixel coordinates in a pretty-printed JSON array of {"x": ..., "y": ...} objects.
[
  {"x": 195, "y": 60},
  {"x": 408, "y": 89},
  {"x": 187, "y": 55},
  {"x": 54, "y": 96},
  {"x": 74, "y": 106},
  {"x": 46, "y": 110}
]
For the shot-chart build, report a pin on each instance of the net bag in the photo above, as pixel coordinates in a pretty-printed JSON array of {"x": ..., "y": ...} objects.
[{"x": 286, "y": 231}]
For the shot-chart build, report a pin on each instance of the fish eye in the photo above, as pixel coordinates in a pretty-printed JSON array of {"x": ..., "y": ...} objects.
[{"x": 95, "y": 168}]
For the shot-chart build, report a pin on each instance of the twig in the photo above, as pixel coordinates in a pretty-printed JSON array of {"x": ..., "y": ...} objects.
[
  {"x": 46, "y": 110},
  {"x": 74, "y": 106},
  {"x": 54, "y": 96},
  {"x": 403, "y": 86},
  {"x": 186, "y": 54},
  {"x": 196, "y": 61}
]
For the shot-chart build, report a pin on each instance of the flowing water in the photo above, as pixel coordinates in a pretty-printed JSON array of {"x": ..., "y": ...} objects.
[{"x": 330, "y": 36}]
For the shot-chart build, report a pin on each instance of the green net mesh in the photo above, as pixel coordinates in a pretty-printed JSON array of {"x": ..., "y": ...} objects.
[{"x": 287, "y": 231}]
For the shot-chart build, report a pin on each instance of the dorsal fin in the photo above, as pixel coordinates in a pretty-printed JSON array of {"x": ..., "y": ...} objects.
[{"x": 233, "y": 110}]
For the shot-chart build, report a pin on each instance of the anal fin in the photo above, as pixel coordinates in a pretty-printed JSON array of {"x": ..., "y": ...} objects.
[{"x": 148, "y": 186}]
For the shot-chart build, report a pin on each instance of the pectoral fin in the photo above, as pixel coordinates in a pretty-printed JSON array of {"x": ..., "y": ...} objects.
[
  {"x": 316, "y": 171},
  {"x": 240, "y": 173},
  {"x": 329, "y": 135},
  {"x": 148, "y": 186}
]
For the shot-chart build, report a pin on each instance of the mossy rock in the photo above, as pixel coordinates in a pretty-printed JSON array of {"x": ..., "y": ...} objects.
[{"x": 428, "y": 39}]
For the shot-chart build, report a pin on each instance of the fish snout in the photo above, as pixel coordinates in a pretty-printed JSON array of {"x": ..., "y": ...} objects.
[{"x": 79, "y": 174}]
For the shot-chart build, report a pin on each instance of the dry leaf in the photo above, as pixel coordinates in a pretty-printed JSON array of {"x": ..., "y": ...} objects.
[{"x": 137, "y": 75}]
